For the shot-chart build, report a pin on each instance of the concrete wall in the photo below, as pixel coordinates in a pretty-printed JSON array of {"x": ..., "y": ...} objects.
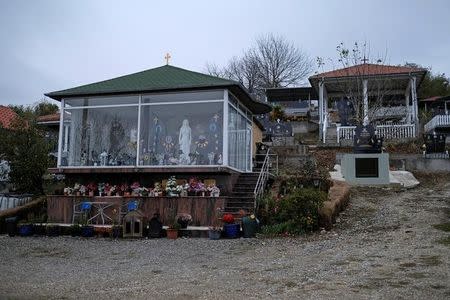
[
  {"x": 413, "y": 162},
  {"x": 303, "y": 127}
]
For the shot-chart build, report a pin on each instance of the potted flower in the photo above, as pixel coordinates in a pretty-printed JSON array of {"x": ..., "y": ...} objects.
[
  {"x": 107, "y": 189},
  {"x": 230, "y": 228},
  {"x": 172, "y": 188},
  {"x": 157, "y": 191},
  {"x": 184, "y": 220},
  {"x": 184, "y": 190},
  {"x": 173, "y": 225},
  {"x": 76, "y": 189},
  {"x": 135, "y": 188},
  {"x": 68, "y": 191},
  {"x": 143, "y": 192},
  {"x": 213, "y": 190},
  {"x": 200, "y": 189},
  {"x": 124, "y": 189},
  {"x": 192, "y": 186},
  {"x": 82, "y": 190},
  {"x": 101, "y": 189},
  {"x": 91, "y": 187}
]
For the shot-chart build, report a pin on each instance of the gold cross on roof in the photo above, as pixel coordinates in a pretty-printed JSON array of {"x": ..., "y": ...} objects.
[{"x": 167, "y": 57}]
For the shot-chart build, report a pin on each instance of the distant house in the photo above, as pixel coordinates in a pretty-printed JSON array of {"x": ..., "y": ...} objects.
[
  {"x": 296, "y": 102},
  {"x": 439, "y": 107},
  {"x": 7, "y": 116}
]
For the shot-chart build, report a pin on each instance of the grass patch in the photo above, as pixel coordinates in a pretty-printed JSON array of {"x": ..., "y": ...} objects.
[{"x": 443, "y": 226}]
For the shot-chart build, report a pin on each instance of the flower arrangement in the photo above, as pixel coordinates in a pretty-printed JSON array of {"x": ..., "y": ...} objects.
[
  {"x": 76, "y": 187},
  {"x": 213, "y": 190},
  {"x": 91, "y": 187},
  {"x": 107, "y": 189},
  {"x": 123, "y": 188},
  {"x": 172, "y": 189},
  {"x": 143, "y": 191},
  {"x": 184, "y": 219},
  {"x": 157, "y": 191},
  {"x": 228, "y": 219},
  {"x": 82, "y": 190},
  {"x": 68, "y": 191},
  {"x": 135, "y": 185},
  {"x": 101, "y": 188}
]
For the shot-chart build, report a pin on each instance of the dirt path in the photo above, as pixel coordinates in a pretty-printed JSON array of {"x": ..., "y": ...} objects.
[{"x": 383, "y": 247}]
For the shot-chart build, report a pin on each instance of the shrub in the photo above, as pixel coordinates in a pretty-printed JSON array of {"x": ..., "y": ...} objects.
[{"x": 301, "y": 207}]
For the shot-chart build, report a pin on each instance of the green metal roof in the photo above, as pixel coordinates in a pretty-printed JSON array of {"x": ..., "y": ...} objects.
[{"x": 164, "y": 78}]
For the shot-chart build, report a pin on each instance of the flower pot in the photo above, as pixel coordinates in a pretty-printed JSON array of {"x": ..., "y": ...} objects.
[
  {"x": 172, "y": 233},
  {"x": 214, "y": 234},
  {"x": 249, "y": 227},
  {"x": 78, "y": 194},
  {"x": 26, "y": 230},
  {"x": 183, "y": 224},
  {"x": 11, "y": 226},
  {"x": 87, "y": 231},
  {"x": 231, "y": 230},
  {"x": 91, "y": 193}
]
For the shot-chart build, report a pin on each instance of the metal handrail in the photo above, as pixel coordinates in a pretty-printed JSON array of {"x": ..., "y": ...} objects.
[{"x": 262, "y": 179}]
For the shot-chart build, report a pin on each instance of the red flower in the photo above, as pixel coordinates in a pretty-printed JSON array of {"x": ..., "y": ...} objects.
[{"x": 228, "y": 218}]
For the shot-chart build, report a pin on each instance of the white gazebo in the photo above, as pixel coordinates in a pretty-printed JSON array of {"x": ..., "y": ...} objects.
[{"x": 386, "y": 96}]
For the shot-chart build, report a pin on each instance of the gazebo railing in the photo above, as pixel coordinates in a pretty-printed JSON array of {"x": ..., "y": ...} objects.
[
  {"x": 437, "y": 121},
  {"x": 388, "y": 132}
]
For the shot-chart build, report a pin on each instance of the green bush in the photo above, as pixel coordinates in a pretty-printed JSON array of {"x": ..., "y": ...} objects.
[{"x": 296, "y": 213}]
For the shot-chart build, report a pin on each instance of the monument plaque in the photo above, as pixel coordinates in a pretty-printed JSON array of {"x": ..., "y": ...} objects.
[
  {"x": 366, "y": 141},
  {"x": 366, "y": 167}
]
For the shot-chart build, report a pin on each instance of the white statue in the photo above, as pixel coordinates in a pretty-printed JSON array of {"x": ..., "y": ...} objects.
[
  {"x": 103, "y": 158},
  {"x": 184, "y": 140}
]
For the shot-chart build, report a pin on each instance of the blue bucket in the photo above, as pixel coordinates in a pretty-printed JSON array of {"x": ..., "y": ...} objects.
[
  {"x": 85, "y": 206},
  {"x": 231, "y": 230}
]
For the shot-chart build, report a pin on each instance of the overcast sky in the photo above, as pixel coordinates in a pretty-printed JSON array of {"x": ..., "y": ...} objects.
[{"x": 53, "y": 45}]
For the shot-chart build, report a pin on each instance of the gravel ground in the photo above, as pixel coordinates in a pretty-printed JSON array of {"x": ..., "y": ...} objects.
[{"x": 383, "y": 246}]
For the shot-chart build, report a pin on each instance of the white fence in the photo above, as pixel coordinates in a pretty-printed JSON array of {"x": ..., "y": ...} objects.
[
  {"x": 437, "y": 121},
  {"x": 10, "y": 201},
  {"x": 404, "y": 131}
]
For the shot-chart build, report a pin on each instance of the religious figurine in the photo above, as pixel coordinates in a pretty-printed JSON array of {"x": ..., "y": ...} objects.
[
  {"x": 202, "y": 149},
  {"x": 83, "y": 159},
  {"x": 215, "y": 130},
  {"x": 184, "y": 140},
  {"x": 103, "y": 158},
  {"x": 219, "y": 159},
  {"x": 156, "y": 135},
  {"x": 211, "y": 158},
  {"x": 133, "y": 135},
  {"x": 160, "y": 159}
]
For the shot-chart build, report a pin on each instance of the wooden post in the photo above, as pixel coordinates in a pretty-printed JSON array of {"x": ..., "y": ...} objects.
[
  {"x": 414, "y": 102},
  {"x": 365, "y": 103},
  {"x": 408, "y": 114}
]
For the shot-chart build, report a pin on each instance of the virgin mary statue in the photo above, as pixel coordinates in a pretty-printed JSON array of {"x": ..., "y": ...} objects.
[{"x": 184, "y": 140}]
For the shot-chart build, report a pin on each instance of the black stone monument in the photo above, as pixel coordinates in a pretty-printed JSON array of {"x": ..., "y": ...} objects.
[{"x": 366, "y": 141}]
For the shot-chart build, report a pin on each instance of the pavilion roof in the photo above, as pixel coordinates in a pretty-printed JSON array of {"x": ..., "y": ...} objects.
[
  {"x": 49, "y": 118},
  {"x": 162, "y": 79},
  {"x": 7, "y": 115},
  {"x": 369, "y": 70}
]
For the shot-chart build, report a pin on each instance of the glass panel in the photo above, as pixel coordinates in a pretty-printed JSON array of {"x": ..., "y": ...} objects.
[
  {"x": 91, "y": 101},
  {"x": 181, "y": 134},
  {"x": 180, "y": 97},
  {"x": 238, "y": 140},
  {"x": 232, "y": 99},
  {"x": 100, "y": 137}
]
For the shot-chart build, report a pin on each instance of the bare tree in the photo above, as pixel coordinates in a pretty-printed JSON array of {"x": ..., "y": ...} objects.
[
  {"x": 272, "y": 62},
  {"x": 354, "y": 65}
]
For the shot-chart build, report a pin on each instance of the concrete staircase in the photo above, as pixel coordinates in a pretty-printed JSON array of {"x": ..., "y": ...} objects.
[
  {"x": 331, "y": 137},
  {"x": 242, "y": 196}
]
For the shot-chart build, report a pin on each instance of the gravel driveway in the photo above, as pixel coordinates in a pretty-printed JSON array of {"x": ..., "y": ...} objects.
[{"x": 383, "y": 246}]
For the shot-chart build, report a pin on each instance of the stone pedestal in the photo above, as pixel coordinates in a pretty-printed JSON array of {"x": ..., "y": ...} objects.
[{"x": 366, "y": 168}]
